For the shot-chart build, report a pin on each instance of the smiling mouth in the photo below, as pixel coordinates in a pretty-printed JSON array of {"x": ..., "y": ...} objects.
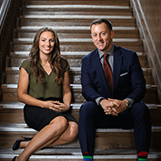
[
  {"x": 100, "y": 44},
  {"x": 47, "y": 48}
]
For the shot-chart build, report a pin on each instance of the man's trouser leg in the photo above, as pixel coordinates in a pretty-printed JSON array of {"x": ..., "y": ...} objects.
[
  {"x": 86, "y": 127},
  {"x": 142, "y": 126}
]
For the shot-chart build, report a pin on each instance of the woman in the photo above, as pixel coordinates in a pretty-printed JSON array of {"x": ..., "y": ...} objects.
[{"x": 44, "y": 87}]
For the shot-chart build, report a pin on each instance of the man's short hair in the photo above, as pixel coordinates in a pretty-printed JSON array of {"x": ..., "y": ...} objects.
[{"x": 99, "y": 21}]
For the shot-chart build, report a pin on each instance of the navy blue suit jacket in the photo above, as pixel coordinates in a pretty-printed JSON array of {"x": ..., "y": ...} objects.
[{"x": 128, "y": 78}]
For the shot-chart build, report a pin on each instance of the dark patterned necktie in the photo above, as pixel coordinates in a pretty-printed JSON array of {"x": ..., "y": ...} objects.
[{"x": 108, "y": 72}]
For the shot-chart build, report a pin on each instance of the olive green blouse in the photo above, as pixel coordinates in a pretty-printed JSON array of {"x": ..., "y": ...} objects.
[{"x": 50, "y": 89}]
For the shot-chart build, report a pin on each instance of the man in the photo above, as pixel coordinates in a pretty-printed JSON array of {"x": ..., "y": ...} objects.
[{"x": 113, "y": 93}]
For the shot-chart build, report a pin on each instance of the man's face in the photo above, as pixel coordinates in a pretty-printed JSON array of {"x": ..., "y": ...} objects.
[{"x": 102, "y": 37}]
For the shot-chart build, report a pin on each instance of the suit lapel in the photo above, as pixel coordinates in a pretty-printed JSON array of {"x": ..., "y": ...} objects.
[{"x": 117, "y": 68}]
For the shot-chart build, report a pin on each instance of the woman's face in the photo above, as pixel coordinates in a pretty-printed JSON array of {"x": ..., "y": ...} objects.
[{"x": 46, "y": 42}]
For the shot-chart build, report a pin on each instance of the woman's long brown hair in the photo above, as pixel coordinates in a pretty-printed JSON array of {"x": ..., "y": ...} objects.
[{"x": 55, "y": 63}]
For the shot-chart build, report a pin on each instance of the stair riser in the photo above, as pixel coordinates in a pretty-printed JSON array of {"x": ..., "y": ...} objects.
[
  {"x": 12, "y": 96},
  {"x": 82, "y": 46},
  {"x": 16, "y": 116},
  {"x": 121, "y": 3},
  {"x": 116, "y": 12},
  {"x": 150, "y": 97},
  {"x": 73, "y": 22},
  {"x": 83, "y": 34}
]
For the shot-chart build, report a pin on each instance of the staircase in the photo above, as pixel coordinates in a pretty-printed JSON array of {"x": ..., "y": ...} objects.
[{"x": 71, "y": 20}]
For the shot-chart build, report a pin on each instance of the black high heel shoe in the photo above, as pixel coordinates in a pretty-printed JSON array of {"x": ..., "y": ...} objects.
[
  {"x": 14, "y": 158},
  {"x": 16, "y": 145}
]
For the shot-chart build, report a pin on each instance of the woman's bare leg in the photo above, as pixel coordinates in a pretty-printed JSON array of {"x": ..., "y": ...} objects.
[
  {"x": 68, "y": 136},
  {"x": 50, "y": 132}
]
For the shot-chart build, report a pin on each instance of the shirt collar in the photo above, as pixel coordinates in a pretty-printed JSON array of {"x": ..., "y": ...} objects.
[{"x": 110, "y": 52}]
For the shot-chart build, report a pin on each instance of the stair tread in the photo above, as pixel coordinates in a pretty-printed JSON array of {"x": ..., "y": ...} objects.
[
  {"x": 22, "y": 127},
  {"x": 79, "y": 157},
  {"x": 30, "y": 40},
  {"x": 78, "y": 69},
  {"x": 71, "y": 7},
  {"x": 66, "y": 53},
  {"x": 88, "y": 42},
  {"x": 75, "y": 106},
  {"x": 54, "y": 152},
  {"x": 86, "y": 28},
  {"x": 74, "y": 86},
  {"x": 75, "y": 16},
  {"x": 42, "y": 6},
  {"x": 20, "y": 105},
  {"x": 78, "y": 11}
]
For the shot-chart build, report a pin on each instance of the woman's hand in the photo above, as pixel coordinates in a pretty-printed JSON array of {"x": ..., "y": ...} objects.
[{"x": 56, "y": 106}]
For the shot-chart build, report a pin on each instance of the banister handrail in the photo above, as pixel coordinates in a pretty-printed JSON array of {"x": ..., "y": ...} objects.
[{"x": 3, "y": 12}]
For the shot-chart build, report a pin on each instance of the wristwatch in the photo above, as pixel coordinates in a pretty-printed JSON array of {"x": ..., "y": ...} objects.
[{"x": 128, "y": 104}]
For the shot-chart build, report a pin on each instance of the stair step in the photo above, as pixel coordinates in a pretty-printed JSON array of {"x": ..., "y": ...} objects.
[
  {"x": 71, "y": 6},
  {"x": 67, "y": 28},
  {"x": 25, "y": 54},
  {"x": 69, "y": 151},
  {"x": 13, "y": 112},
  {"x": 18, "y": 127},
  {"x": 130, "y": 23},
  {"x": 81, "y": 34},
  {"x": 105, "y": 138},
  {"x": 78, "y": 10},
  {"x": 75, "y": 154},
  {"x": 82, "y": 46},
  {"x": 75, "y": 17},
  {"x": 73, "y": 57},
  {"x": 12, "y": 74},
  {"x": 74, "y": 106},
  {"x": 73, "y": 86},
  {"x": 77, "y": 40},
  {"x": 10, "y": 93},
  {"x": 94, "y": 2}
]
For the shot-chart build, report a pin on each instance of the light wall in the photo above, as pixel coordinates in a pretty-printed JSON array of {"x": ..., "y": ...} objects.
[{"x": 148, "y": 18}]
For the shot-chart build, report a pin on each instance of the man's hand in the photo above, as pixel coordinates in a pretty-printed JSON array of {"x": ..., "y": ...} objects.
[
  {"x": 109, "y": 107},
  {"x": 113, "y": 106},
  {"x": 121, "y": 103}
]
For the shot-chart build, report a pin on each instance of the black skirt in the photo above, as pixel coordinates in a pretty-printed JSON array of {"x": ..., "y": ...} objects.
[{"x": 37, "y": 117}]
